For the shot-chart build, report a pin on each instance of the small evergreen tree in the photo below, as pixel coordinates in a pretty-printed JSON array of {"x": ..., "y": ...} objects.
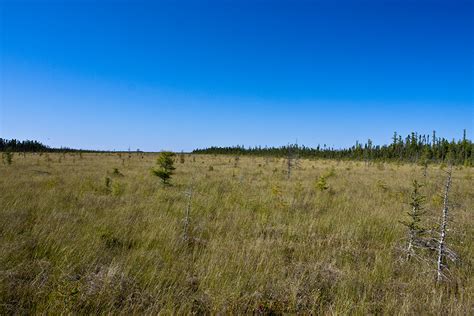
[
  {"x": 415, "y": 230},
  {"x": 165, "y": 167},
  {"x": 322, "y": 184},
  {"x": 7, "y": 157}
]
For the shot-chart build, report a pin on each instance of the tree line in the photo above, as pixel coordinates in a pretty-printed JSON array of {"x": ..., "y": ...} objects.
[
  {"x": 413, "y": 148},
  {"x": 14, "y": 145}
]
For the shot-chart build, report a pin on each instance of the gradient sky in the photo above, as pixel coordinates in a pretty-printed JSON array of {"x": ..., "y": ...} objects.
[{"x": 185, "y": 74}]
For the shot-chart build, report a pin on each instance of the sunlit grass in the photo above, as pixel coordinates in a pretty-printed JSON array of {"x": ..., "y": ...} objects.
[{"x": 72, "y": 241}]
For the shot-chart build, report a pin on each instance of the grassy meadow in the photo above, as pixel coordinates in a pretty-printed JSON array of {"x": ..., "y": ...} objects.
[{"x": 73, "y": 242}]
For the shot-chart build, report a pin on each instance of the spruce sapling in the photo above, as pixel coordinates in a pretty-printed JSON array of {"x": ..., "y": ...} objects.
[
  {"x": 165, "y": 167},
  {"x": 415, "y": 230}
]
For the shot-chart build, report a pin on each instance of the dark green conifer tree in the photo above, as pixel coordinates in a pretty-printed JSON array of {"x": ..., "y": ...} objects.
[{"x": 165, "y": 166}]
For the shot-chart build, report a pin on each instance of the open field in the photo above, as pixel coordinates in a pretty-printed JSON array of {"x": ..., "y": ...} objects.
[{"x": 257, "y": 242}]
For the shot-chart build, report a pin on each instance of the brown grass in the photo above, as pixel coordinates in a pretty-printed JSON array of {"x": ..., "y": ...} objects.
[{"x": 259, "y": 243}]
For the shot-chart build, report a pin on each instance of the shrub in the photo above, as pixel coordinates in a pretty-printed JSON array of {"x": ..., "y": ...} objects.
[
  {"x": 331, "y": 173},
  {"x": 382, "y": 185}
]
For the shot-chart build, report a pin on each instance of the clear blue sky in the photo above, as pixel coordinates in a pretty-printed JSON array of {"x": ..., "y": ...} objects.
[{"x": 184, "y": 74}]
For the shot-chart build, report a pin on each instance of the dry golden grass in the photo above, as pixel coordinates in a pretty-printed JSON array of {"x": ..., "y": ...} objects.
[{"x": 259, "y": 243}]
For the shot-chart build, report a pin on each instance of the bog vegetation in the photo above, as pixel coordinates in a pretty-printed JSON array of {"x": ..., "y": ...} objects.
[{"x": 99, "y": 233}]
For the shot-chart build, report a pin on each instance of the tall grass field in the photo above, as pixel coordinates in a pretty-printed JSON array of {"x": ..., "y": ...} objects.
[{"x": 98, "y": 233}]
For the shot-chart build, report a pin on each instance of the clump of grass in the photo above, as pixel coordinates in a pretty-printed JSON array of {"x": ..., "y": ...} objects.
[
  {"x": 117, "y": 188},
  {"x": 330, "y": 173},
  {"x": 382, "y": 185},
  {"x": 277, "y": 193}
]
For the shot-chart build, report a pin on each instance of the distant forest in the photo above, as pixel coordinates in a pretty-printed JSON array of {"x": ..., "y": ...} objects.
[
  {"x": 14, "y": 145},
  {"x": 413, "y": 148}
]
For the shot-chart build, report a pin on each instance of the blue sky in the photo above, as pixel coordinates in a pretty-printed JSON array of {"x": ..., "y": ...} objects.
[{"x": 185, "y": 74}]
